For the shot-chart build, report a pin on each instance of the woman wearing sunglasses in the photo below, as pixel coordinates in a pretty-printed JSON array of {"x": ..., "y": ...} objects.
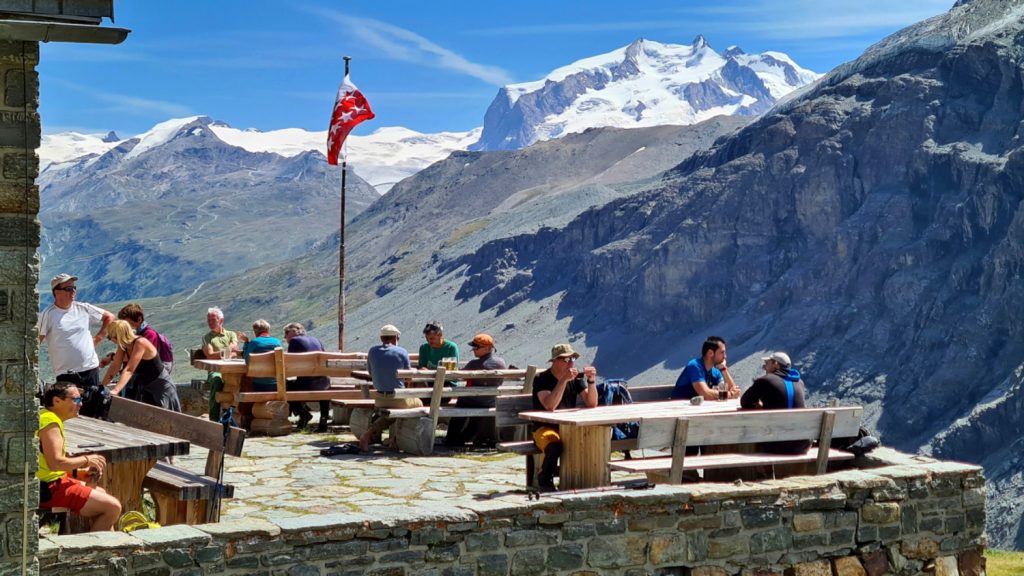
[{"x": 62, "y": 478}]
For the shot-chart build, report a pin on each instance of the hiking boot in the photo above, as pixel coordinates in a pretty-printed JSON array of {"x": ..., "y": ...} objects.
[
  {"x": 322, "y": 426},
  {"x": 304, "y": 420},
  {"x": 546, "y": 485}
]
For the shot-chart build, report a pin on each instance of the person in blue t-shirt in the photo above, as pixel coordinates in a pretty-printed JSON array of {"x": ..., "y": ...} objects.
[
  {"x": 702, "y": 375},
  {"x": 261, "y": 342},
  {"x": 383, "y": 362}
]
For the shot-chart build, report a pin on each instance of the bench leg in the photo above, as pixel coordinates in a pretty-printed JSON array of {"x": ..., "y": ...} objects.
[{"x": 170, "y": 510}]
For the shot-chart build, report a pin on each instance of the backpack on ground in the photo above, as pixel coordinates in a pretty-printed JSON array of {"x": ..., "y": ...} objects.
[{"x": 616, "y": 391}]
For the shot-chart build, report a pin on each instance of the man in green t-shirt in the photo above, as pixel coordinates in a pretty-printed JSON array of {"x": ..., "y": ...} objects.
[
  {"x": 215, "y": 342},
  {"x": 436, "y": 347}
]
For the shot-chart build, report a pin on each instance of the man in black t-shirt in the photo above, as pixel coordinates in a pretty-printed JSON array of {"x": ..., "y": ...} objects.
[
  {"x": 555, "y": 388},
  {"x": 780, "y": 388}
]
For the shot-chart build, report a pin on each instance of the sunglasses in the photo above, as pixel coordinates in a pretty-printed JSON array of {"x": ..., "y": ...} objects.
[
  {"x": 431, "y": 328},
  {"x": 67, "y": 289},
  {"x": 76, "y": 399}
]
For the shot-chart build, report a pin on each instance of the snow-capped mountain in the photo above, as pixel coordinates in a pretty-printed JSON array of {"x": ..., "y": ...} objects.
[
  {"x": 382, "y": 158},
  {"x": 644, "y": 84}
]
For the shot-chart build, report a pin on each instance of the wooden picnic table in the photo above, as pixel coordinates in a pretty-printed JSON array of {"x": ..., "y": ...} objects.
[
  {"x": 131, "y": 453},
  {"x": 586, "y": 433}
]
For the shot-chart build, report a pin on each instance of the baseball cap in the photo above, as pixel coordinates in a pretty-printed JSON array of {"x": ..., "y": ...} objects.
[
  {"x": 390, "y": 330},
  {"x": 562, "y": 350},
  {"x": 780, "y": 357},
  {"x": 481, "y": 340},
  {"x": 60, "y": 279}
]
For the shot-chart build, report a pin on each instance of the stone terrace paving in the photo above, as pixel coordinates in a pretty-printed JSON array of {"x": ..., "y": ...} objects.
[{"x": 285, "y": 476}]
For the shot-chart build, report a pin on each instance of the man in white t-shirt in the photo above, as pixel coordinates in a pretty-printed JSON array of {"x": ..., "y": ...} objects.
[{"x": 64, "y": 326}]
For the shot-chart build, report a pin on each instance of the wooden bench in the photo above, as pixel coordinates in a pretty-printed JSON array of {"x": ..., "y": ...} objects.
[
  {"x": 507, "y": 415},
  {"x": 740, "y": 428},
  {"x": 181, "y": 496},
  {"x": 417, "y": 427},
  {"x": 267, "y": 412}
]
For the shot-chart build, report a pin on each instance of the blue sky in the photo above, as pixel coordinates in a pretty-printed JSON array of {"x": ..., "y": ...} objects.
[{"x": 429, "y": 66}]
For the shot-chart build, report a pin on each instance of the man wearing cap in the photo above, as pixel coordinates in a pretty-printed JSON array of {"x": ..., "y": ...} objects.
[
  {"x": 480, "y": 430},
  {"x": 64, "y": 326},
  {"x": 383, "y": 362},
  {"x": 702, "y": 375},
  {"x": 558, "y": 387},
  {"x": 780, "y": 388}
]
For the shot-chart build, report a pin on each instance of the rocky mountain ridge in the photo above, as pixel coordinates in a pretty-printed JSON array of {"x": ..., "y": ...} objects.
[{"x": 644, "y": 84}]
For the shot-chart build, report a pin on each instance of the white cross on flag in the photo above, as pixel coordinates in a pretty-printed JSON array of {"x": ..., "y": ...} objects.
[{"x": 350, "y": 108}]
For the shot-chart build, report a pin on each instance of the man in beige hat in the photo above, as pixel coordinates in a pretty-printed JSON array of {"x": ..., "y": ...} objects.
[
  {"x": 383, "y": 362},
  {"x": 558, "y": 387},
  {"x": 64, "y": 326}
]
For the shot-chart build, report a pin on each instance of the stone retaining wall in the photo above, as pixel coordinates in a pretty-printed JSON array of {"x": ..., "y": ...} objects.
[{"x": 909, "y": 515}]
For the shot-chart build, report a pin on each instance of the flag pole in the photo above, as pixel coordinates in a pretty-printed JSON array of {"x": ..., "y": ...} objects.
[{"x": 341, "y": 247}]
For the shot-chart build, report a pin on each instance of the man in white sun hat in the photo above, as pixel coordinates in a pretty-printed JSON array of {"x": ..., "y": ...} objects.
[{"x": 64, "y": 327}]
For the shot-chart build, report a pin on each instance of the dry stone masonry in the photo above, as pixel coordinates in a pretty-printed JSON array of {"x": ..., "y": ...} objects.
[
  {"x": 19, "y": 272},
  {"x": 907, "y": 515}
]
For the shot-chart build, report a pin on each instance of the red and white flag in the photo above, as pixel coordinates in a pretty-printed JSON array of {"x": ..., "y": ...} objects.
[{"x": 350, "y": 108}]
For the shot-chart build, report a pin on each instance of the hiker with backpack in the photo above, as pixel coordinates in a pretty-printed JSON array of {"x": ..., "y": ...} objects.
[
  {"x": 138, "y": 358},
  {"x": 136, "y": 318}
]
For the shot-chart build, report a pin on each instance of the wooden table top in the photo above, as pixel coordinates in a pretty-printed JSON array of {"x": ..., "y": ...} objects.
[
  {"x": 117, "y": 442},
  {"x": 232, "y": 366},
  {"x": 607, "y": 415}
]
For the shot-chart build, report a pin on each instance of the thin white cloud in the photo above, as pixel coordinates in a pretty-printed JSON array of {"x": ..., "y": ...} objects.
[
  {"x": 129, "y": 104},
  {"x": 407, "y": 46},
  {"x": 790, "y": 20}
]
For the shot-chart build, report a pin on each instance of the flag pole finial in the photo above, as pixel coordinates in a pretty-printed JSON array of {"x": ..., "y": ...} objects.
[{"x": 347, "y": 59}]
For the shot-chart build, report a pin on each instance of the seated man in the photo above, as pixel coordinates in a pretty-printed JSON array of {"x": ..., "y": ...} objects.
[
  {"x": 216, "y": 340},
  {"x": 383, "y": 362},
  {"x": 58, "y": 488},
  {"x": 558, "y": 387},
  {"x": 703, "y": 375},
  {"x": 299, "y": 341},
  {"x": 780, "y": 388},
  {"x": 480, "y": 430}
]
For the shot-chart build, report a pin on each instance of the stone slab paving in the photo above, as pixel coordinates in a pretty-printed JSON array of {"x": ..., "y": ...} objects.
[{"x": 285, "y": 476}]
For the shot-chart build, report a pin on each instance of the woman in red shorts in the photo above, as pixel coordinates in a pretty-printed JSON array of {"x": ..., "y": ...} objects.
[{"x": 61, "y": 479}]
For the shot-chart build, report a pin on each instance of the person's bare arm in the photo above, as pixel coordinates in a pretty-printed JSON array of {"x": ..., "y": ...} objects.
[
  {"x": 52, "y": 446},
  {"x": 114, "y": 368},
  {"x": 734, "y": 390},
  {"x": 589, "y": 395},
  {"x": 138, "y": 349},
  {"x": 701, "y": 387},
  {"x": 104, "y": 322}
]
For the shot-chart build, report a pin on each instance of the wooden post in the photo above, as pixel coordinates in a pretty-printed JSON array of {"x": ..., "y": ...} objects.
[
  {"x": 435, "y": 397},
  {"x": 828, "y": 421},
  {"x": 584, "y": 456},
  {"x": 679, "y": 450},
  {"x": 531, "y": 371},
  {"x": 279, "y": 372}
]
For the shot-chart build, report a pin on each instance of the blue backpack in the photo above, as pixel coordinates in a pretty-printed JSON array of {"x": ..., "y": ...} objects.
[{"x": 616, "y": 391}]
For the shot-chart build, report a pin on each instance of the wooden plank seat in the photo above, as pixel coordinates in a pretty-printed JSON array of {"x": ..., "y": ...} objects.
[
  {"x": 507, "y": 411},
  {"x": 182, "y": 496},
  {"x": 740, "y": 428},
  {"x": 416, "y": 435},
  {"x": 267, "y": 412}
]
